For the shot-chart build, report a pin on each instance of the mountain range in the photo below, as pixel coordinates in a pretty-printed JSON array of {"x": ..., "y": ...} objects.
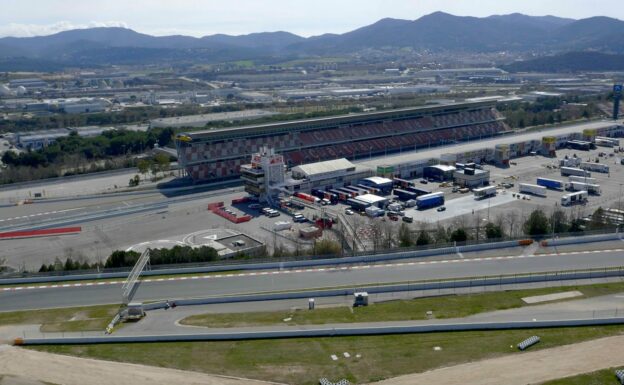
[{"x": 437, "y": 32}]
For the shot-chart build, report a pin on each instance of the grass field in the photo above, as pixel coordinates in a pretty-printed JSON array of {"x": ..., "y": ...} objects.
[
  {"x": 442, "y": 307},
  {"x": 304, "y": 361},
  {"x": 65, "y": 319},
  {"x": 601, "y": 377}
]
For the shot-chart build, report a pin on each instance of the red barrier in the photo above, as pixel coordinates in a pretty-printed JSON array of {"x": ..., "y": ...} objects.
[
  {"x": 244, "y": 218},
  {"x": 214, "y": 206},
  {"x": 40, "y": 233}
]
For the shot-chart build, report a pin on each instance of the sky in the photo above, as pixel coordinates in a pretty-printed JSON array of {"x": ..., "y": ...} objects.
[{"x": 235, "y": 17}]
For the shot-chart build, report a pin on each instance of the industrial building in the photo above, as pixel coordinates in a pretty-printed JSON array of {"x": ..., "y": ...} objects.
[
  {"x": 266, "y": 176},
  {"x": 471, "y": 177},
  {"x": 439, "y": 172},
  {"x": 218, "y": 154}
]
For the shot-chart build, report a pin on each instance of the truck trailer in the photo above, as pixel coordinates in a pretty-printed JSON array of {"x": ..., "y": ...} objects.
[
  {"x": 404, "y": 195},
  {"x": 430, "y": 200},
  {"x": 550, "y": 183},
  {"x": 597, "y": 167},
  {"x": 484, "y": 192},
  {"x": 534, "y": 189},
  {"x": 580, "y": 186},
  {"x": 567, "y": 171},
  {"x": 582, "y": 179}
]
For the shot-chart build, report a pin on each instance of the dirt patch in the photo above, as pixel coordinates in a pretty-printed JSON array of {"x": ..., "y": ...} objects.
[
  {"x": 525, "y": 368},
  {"x": 58, "y": 369}
]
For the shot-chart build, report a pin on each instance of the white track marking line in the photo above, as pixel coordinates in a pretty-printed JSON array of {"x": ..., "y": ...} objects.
[{"x": 315, "y": 270}]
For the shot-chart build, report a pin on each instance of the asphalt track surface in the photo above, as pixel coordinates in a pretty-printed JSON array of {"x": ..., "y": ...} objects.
[{"x": 298, "y": 279}]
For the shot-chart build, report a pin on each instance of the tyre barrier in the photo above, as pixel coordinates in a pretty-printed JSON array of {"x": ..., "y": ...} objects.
[
  {"x": 620, "y": 375},
  {"x": 322, "y": 332},
  {"x": 325, "y": 381},
  {"x": 528, "y": 342}
]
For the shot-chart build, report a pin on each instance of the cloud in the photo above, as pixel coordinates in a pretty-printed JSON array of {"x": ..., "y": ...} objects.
[{"x": 29, "y": 30}]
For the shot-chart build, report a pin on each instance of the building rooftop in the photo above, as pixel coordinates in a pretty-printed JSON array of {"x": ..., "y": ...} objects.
[
  {"x": 379, "y": 180},
  {"x": 371, "y": 198},
  {"x": 325, "y": 167}
]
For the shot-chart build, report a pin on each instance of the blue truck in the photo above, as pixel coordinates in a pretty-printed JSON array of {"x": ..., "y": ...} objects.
[
  {"x": 430, "y": 200},
  {"x": 550, "y": 183}
]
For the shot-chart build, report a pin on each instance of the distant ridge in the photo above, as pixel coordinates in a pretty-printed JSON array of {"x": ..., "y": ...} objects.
[{"x": 438, "y": 31}]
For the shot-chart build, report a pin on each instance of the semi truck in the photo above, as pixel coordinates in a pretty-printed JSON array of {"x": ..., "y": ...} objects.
[
  {"x": 567, "y": 171},
  {"x": 322, "y": 194},
  {"x": 534, "y": 189},
  {"x": 484, "y": 192},
  {"x": 430, "y": 200},
  {"x": 550, "y": 183},
  {"x": 573, "y": 198},
  {"x": 581, "y": 186},
  {"x": 597, "y": 167}
]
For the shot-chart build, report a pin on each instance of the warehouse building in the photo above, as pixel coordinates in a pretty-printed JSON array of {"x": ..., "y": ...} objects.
[{"x": 471, "y": 177}]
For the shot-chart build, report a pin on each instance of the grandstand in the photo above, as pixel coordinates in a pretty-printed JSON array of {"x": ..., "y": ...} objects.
[{"x": 218, "y": 154}]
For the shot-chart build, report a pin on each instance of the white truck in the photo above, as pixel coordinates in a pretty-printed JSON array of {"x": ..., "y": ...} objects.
[
  {"x": 575, "y": 197},
  {"x": 567, "y": 171},
  {"x": 580, "y": 186},
  {"x": 484, "y": 192},
  {"x": 582, "y": 179},
  {"x": 282, "y": 225},
  {"x": 533, "y": 189}
]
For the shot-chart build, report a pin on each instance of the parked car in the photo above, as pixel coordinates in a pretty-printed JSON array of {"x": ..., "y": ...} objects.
[
  {"x": 349, "y": 212},
  {"x": 442, "y": 208},
  {"x": 408, "y": 219}
]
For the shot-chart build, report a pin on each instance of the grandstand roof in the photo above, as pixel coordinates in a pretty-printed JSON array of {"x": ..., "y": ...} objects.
[
  {"x": 324, "y": 167},
  {"x": 326, "y": 122}
]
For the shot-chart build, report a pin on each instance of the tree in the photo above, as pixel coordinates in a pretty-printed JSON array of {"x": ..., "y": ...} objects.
[
  {"x": 441, "y": 236},
  {"x": 143, "y": 165},
  {"x": 424, "y": 238},
  {"x": 536, "y": 224},
  {"x": 163, "y": 162},
  {"x": 459, "y": 235},
  {"x": 405, "y": 236},
  {"x": 493, "y": 231},
  {"x": 559, "y": 222}
]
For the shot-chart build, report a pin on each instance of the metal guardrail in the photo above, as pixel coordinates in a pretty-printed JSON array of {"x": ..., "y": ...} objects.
[{"x": 323, "y": 332}]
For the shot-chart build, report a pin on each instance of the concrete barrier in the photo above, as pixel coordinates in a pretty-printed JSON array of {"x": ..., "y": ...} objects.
[
  {"x": 585, "y": 239},
  {"x": 322, "y": 332}
]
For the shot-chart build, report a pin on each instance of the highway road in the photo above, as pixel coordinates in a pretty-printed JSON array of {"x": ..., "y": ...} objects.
[{"x": 290, "y": 280}]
